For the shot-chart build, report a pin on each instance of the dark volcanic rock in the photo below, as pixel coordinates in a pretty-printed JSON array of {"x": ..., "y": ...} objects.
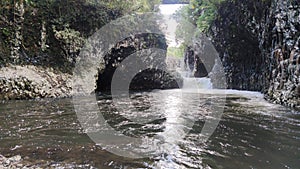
[
  {"x": 198, "y": 58},
  {"x": 152, "y": 78},
  {"x": 237, "y": 36},
  {"x": 156, "y": 79},
  {"x": 258, "y": 42},
  {"x": 189, "y": 58},
  {"x": 285, "y": 53}
]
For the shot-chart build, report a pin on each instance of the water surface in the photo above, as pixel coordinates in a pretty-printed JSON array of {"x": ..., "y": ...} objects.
[{"x": 252, "y": 133}]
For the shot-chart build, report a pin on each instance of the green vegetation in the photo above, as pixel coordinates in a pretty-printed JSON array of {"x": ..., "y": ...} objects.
[
  {"x": 175, "y": 1},
  {"x": 204, "y": 12},
  {"x": 175, "y": 51},
  {"x": 52, "y": 32},
  {"x": 129, "y": 6},
  {"x": 200, "y": 13}
]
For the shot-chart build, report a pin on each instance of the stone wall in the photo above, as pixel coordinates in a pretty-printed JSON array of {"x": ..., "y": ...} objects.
[
  {"x": 284, "y": 84},
  {"x": 258, "y": 43},
  {"x": 236, "y": 34}
]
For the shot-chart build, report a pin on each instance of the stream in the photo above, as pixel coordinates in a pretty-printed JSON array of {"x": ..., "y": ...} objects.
[{"x": 252, "y": 133}]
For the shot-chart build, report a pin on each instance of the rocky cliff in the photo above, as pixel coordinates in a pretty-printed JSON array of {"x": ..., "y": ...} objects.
[
  {"x": 258, "y": 42},
  {"x": 31, "y": 82},
  {"x": 284, "y": 53},
  {"x": 152, "y": 78},
  {"x": 40, "y": 42}
]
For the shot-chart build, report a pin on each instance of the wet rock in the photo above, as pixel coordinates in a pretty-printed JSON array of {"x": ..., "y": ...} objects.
[
  {"x": 30, "y": 82},
  {"x": 197, "y": 58},
  {"x": 151, "y": 78},
  {"x": 156, "y": 79},
  {"x": 12, "y": 162},
  {"x": 259, "y": 45}
]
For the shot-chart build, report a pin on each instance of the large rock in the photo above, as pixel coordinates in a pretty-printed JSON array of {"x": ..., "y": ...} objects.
[
  {"x": 236, "y": 34},
  {"x": 153, "y": 78},
  {"x": 258, "y": 42},
  {"x": 30, "y": 82},
  {"x": 285, "y": 53},
  {"x": 197, "y": 59}
]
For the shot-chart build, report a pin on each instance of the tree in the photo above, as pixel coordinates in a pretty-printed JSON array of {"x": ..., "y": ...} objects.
[
  {"x": 35, "y": 31},
  {"x": 199, "y": 14}
]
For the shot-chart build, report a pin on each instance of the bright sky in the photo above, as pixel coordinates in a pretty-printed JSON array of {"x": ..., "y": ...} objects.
[{"x": 167, "y": 11}]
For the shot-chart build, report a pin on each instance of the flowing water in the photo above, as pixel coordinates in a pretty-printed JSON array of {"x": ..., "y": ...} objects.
[{"x": 252, "y": 133}]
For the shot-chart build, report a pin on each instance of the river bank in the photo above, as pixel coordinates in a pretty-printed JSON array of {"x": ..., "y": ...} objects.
[
  {"x": 32, "y": 82},
  {"x": 12, "y": 162}
]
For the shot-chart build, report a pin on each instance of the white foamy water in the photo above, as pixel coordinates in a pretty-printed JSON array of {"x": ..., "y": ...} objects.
[{"x": 197, "y": 83}]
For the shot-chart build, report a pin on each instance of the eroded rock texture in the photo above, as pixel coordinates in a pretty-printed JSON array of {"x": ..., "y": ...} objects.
[
  {"x": 237, "y": 36},
  {"x": 31, "y": 82},
  {"x": 258, "y": 42},
  {"x": 153, "y": 78},
  {"x": 285, "y": 54}
]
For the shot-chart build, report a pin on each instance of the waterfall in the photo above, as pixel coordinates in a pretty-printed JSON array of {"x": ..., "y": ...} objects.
[
  {"x": 190, "y": 82},
  {"x": 197, "y": 83}
]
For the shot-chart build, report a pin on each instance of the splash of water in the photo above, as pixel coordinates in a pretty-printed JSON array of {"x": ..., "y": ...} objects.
[{"x": 191, "y": 82}]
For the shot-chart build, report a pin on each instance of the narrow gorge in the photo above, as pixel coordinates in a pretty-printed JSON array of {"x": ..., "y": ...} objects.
[
  {"x": 159, "y": 84},
  {"x": 258, "y": 42}
]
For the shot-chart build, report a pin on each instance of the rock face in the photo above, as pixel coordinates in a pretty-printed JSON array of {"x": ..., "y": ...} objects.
[
  {"x": 152, "y": 78},
  {"x": 198, "y": 58},
  {"x": 258, "y": 42},
  {"x": 189, "y": 58},
  {"x": 285, "y": 53},
  {"x": 237, "y": 36},
  {"x": 30, "y": 82}
]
